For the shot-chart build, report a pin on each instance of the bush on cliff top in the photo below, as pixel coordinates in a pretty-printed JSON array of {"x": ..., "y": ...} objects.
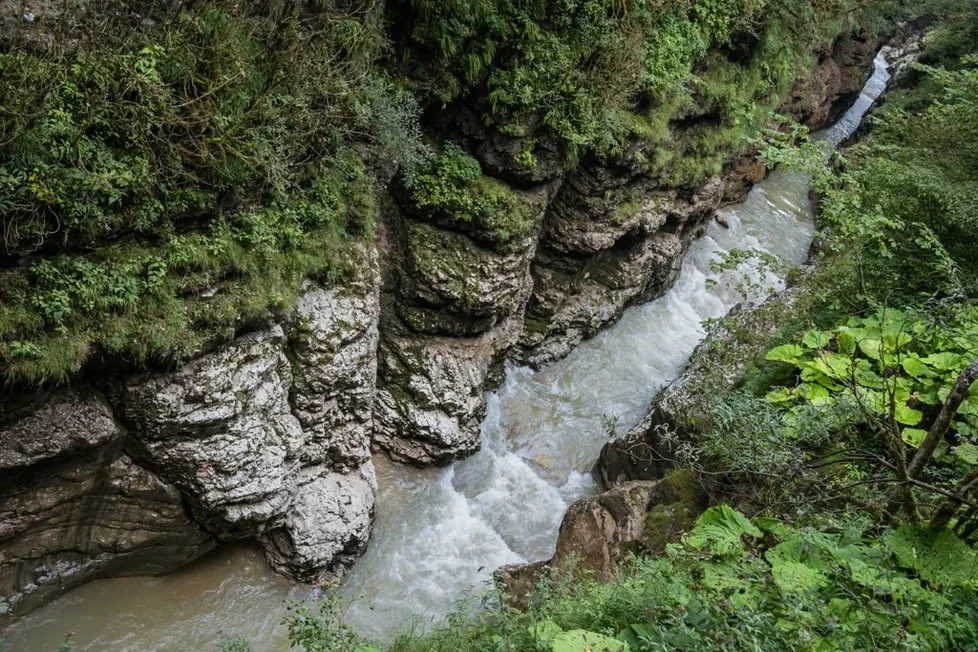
[
  {"x": 161, "y": 187},
  {"x": 571, "y": 71},
  {"x": 452, "y": 189}
]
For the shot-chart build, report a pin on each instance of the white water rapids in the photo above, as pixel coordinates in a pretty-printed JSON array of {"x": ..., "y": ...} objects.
[{"x": 441, "y": 532}]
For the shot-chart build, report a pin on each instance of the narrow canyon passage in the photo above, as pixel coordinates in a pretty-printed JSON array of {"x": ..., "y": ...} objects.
[{"x": 441, "y": 532}]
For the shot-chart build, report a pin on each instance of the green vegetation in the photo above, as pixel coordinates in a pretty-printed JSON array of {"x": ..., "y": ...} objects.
[
  {"x": 163, "y": 188},
  {"x": 583, "y": 73},
  {"x": 850, "y": 444},
  {"x": 738, "y": 584},
  {"x": 452, "y": 190},
  {"x": 166, "y": 186}
]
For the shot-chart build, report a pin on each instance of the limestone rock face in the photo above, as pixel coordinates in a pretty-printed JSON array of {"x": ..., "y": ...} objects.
[
  {"x": 431, "y": 405},
  {"x": 334, "y": 344},
  {"x": 74, "y": 507},
  {"x": 265, "y": 438},
  {"x": 453, "y": 308},
  {"x": 268, "y": 437},
  {"x": 68, "y": 421},
  {"x": 222, "y": 430},
  {"x": 821, "y": 96},
  {"x": 607, "y": 243},
  {"x": 327, "y": 526}
]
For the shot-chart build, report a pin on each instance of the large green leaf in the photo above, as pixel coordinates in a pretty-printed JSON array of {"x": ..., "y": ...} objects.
[
  {"x": 913, "y": 366},
  {"x": 816, "y": 339},
  {"x": 580, "y": 640},
  {"x": 906, "y": 415},
  {"x": 942, "y": 559},
  {"x": 790, "y": 353},
  {"x": 966, "y": 452},
  {"x": 721, "y": 530},
  {"x": 913, "y": 436}
]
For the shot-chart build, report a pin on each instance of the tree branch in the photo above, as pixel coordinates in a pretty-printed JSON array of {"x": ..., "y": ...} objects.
[{"x": 943, "y": 421}]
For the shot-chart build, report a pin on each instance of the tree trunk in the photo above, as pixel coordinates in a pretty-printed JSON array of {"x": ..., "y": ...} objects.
[
  {"x": 954, "y": 400},
  {"x": 949, "y": 507}
]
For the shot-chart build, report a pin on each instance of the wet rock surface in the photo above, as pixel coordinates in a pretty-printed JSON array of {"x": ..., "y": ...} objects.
[
  {"x": 74, "y": 507},
  {"x": 222, "y": 430},
  {"x": 333, "y": 344},
  {"x": 453, "y": 308},
  {"x": 825, "y": 93},
  {"x": 266, "y": 438},
  {"x": 598, "y": 533},
  {"x": 326, "y": 527},
  {"x": 608, "y": 243}
]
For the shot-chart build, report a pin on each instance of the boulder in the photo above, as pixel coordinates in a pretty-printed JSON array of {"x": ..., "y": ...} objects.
[
  {"x": 327, "y": 526},
  {"x": 599, "y": 532},
  {"x": 431, "y": 403}
]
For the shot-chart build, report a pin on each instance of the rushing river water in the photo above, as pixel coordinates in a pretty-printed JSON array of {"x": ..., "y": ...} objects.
[{"x": 441, "y": 532}]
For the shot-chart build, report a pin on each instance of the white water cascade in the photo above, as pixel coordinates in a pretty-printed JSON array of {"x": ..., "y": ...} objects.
[{"x": 441, "y": 532}]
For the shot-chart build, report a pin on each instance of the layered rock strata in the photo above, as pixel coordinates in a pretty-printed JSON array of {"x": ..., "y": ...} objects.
[{"x": 266, "y": 438}]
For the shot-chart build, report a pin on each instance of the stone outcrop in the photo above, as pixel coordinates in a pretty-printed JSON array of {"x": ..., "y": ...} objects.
[
  {"x": 822, "y": 95},
  {"x": 453, "y": 308},
  {"x": 266, "y": 438},
  {"x": 74, "y": 507},
  {"x": 610, "y": 239},
  {"x": 326, "y": 527},
  {"x": 599, "y": 532},
  {"x": 221, "y": 429}
]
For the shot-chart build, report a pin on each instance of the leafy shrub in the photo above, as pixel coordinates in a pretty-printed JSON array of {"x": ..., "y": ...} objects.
[
  {"x": 739, "y": 584},
  {"x": 575, "y": 69},
  {"x": 453, "y": 190},
  {"x": 143, "y": 168}
]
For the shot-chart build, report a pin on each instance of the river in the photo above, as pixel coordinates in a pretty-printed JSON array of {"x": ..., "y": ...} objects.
[{"x": 441, "y": 532}]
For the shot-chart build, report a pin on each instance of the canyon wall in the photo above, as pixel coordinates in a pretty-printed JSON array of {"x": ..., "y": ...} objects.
[{"x": 268, "y": 438}]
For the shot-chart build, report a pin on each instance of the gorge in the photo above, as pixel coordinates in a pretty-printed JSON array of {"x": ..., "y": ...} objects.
[
  {"x": 465, "y": 317},
  {"x": 441, "y": 532}
]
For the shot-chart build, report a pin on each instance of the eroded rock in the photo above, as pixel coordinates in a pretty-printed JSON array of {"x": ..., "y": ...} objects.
[
  {"x": 453, "y": 308},
  {"x": 584, "y": 280},
  {"x": 599, "y": 532},
  {"x": 334, "y": 345},
  {"x": 327, "y": 526},
  {"x": 222, "y": 430},
  {"x": 430, "y": 407},
  {"x": 74, "y": 507},
  {"x": 822, "y": 95}
]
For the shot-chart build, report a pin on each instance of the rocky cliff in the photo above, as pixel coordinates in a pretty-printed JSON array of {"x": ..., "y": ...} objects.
[{"x": 268, "y": 437}]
